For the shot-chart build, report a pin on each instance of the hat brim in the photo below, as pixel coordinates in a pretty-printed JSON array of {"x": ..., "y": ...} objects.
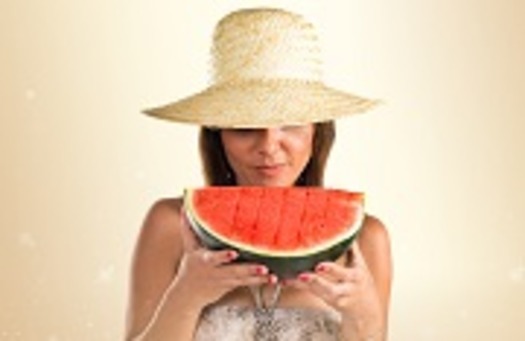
[{"x": 259, "y": 104}]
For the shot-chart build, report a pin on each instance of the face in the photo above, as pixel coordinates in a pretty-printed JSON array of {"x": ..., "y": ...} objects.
[{"x": 268, "y": 156}]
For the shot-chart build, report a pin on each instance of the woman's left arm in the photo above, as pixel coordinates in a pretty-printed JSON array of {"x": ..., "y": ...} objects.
[{"x": 360, "y": 291}]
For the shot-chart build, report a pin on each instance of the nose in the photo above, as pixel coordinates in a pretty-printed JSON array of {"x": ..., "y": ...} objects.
[{"x": 269, "y": 141}]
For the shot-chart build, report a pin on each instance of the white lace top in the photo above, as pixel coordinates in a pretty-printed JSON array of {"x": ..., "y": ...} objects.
[{"x": 235, "y": 323}]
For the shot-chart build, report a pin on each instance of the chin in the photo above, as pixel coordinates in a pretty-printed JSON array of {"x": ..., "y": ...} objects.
[{"x": 274, "y": 183}]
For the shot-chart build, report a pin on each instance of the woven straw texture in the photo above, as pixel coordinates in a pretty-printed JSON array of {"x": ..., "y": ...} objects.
[{"x": 266, "y": 71}]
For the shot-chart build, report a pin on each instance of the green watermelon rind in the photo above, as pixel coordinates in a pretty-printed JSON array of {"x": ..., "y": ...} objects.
[{"x": 285, "y": 264}]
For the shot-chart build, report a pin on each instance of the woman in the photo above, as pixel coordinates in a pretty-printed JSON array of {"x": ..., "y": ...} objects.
[{"x": 267, "y": 120}]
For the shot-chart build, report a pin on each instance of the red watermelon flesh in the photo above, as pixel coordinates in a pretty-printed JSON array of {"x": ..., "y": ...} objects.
[{"x": 276, "y": 223}]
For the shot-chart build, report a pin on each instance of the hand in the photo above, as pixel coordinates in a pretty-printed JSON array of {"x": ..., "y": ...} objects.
[
  {"x": 206, "y": 275},
  {"x": 350, "y": 290}
]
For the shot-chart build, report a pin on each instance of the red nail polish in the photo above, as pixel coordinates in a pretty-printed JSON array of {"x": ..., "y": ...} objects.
[
  {"x": 304, "y": 277},
  {"x": 320, "y": 268},
  {"x": 261, "y": 270},
  {"x": 232, "y": 254}
]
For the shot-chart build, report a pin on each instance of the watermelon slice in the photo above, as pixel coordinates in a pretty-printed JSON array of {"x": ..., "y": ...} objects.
[{"x": 289, "y": 229}]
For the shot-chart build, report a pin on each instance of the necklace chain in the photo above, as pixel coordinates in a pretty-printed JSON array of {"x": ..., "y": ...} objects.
[{"x": 265, "y": 325}]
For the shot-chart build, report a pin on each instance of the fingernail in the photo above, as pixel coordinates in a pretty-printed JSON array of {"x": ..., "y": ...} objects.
[
  {"x": 304, "y": 277},
  {"x": 320, "y": 268},
  {"x": 261, "y": 270},
  {"x": 232, "y": 255},
  {"x": 272, "y": 279}
]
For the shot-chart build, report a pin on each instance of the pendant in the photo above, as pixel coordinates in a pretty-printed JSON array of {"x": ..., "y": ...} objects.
[
  {"x": 266, "y": 328},
  {"x": 265, "y": 325}
]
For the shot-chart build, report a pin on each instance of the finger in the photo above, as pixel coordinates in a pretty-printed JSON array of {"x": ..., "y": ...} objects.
[
  {"x": 189, "y": 239},
  {"x": 240, "y": 271},
  {"x": 329, "y": 271},
  {"x": 335, "y": 272},
  {"x": 205, "y": 256},
  {"x": 216, "y": 258},
  {"x": 254, "y": 281},
  {"x": 327, "y": 290},
  {"x": 235, "y": 275}
]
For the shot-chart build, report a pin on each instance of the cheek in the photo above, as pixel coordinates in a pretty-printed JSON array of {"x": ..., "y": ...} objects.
[
  {"x": 235, "y": 152},
  {"x": 302, "y": 146}
]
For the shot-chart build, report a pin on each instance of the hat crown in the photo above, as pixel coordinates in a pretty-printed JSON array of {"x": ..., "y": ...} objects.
[
  {"x": 266, "y": 71},
  {"x": 265, "y": 44}
]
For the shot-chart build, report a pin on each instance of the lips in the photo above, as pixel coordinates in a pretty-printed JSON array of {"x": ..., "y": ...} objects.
[{"x": 270, "y": 169}]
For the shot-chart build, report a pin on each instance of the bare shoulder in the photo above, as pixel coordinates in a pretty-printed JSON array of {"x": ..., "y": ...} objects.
[
  {"x": 374, "y": 243},
  {"x": 160, "y": 226},
  {"x": 159, "y": 241},
  {"x": 373, "y": 233},
  {"x": 156, "y": 256},
  {"x": 166, "y": 207},
  {"x": 162, "y": 215}
]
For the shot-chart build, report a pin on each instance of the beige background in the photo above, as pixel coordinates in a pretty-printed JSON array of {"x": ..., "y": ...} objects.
[{"x": 442, "y": 161}]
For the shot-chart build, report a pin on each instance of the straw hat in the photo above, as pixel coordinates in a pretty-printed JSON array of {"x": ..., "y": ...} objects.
[{"x": 266, "y": 71}]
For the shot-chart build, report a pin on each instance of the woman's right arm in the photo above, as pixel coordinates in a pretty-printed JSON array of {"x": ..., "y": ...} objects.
[
  {"x": 173, "y": 278},
  {"x": 156, "y": 256}
]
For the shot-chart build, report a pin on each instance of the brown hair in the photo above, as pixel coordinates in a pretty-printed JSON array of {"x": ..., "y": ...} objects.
[{"x": 218, "y": 172}]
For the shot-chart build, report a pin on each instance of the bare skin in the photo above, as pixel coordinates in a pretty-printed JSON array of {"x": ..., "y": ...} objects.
[
  {"x": 174, "y": 278},
  {"x": 268, "y": 157}
]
